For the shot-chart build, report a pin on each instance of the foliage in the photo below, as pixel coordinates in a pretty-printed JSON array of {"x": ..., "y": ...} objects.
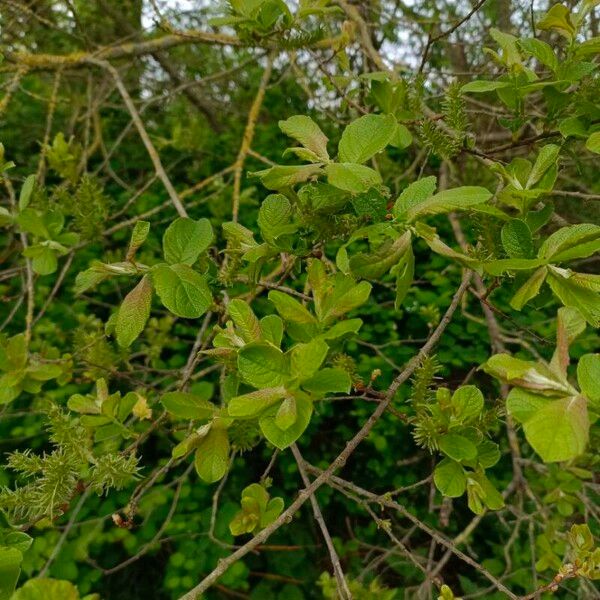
[{"x": 294, "y": 309}]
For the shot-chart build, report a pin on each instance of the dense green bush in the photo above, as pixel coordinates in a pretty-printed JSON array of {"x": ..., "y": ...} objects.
[{"x": 295, "y": 309}]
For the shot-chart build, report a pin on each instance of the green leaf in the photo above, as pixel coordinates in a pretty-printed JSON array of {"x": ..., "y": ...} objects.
[
  {"x": 271, "y": 328},
  {"x": 569, "y": 324},
  {"x": 373, "y": 265},
  {"x": 46, "y": 589},
  {"x": 541, "y": 51},
  {"x": 457, "y": 447},
  {"x": 528, "y": 374},
  {"x": 449, "y": 478},
  {"x": 346, "y": 295},
  {"x": 488, "y": 454},
  {"x": 365, "y": 137},
  {"x": 570, "y": 293},
  {"x": 352, "y": 177},
  {"x": 523, "y": 404},
  {"x": 286, "y": 414},
  {"x": 187, "y": 406},
  {"x": 290, "y": 309},
  {"x": 467, "y": 402},
  {"x": 44, "y": 261},
  {"x": 185, "y": 239},
  {"x": 460, "y": 198},
  {"x": 10, "y": 568},
  {"x": 593, "y": 142},
  {"x": 572, "y": 126},
  {"x": 273, "y": 510},
  {"x": 372, "y": 204},
  {"x": 546, "y": 158},
  {"x": 433, "y": 240},
  {"x": 212, "y": 455},
  {"x": 498, "y": 267},
  {"x": 405, "y": 272},
  {"x": 308, "y": 133},
  {"x": 588, "y": 376},
  {"x": 275, "y": 218},
  {"x": 517, "y": 239},
  {"x": 322, "y": 198},
  {"x": 342, "y": 328},
  {"x": 575, "y": 241},
  {"x": 559, "y": 430},
  {"x": 282, "y": 438},
  {"x": 530, "y": 289},
  {"x": 486, "y": 491},
  {"x": 558, "y": 18},
  {"x": 138, "y": 237},
  {"x": 413, "y": 195},
  {"x": 253, "y": 403},
  {"x": 480, "y": 86},
  {"x": 306, "y": 359},
  {"x": 133, "y": 313},
  {"x": 16, "y": 539},
  {"x": 329, "y": 380},
  {"x": 246, "y": 323},
  {"x": 181, "y": 290},
  {"x": 262, "y": 365},
  {"x": 26, "y": 191},
  {"x": 402, "y": 137},
  {"x": 285, "y": 176}
]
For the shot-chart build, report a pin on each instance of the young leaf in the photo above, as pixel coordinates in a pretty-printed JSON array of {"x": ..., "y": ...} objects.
[
  {"x": 212, "y": 455},
  {"x": 245, "y": 320},
  {"x": 271, "y": 328},
  {"x": 308, "y": 133},
  {"x": 290, "y": 309},
  {"x": 306, "y": 359},
  {"x": 274, "y": 218},
  {"x": 449, "y": 478},
  {"x": 530, "y": 289},
  {"x": 365, "y": 137},
  {"x": 262, "y": 365},
  {"x": 138, "y": 237},
  {"x": 559, "y": 430},
  {"x": 588, "y": 376},
  {"x": 541, "y": 51},
  {"x": 593, "y": 142},
  {"x": 575, "y": 241},
  {"x": 182, "y": 291},
  {"x": 26, "y": 191},
  {"x": 10, "y": 568},
  {"x": 569, "y": 324},
  {"x": 133, "y": 313},
  {"x": 467, "y": 402},
  {"x": 545, "y": 159},
  {"x": 457, "y": 447},
  {"x": 187, "y": 406},
  {"x": 413, "y": 195},
  {"x": 282, "y": 438},
  {"x": 352, "y": 177},
  {"x": 286, "y": 414},
  {"x": 481, "y": 87},
  {"x": 185, "y": 239},
  {"x": 253, "y": 403},
  {"x": 460, "y": 198},
  {"x": 329, "y": 380},
  {"x": 517, "y": 239},
  {"x": 281, "y": 177},
  {"x": 574, "y": 295}
]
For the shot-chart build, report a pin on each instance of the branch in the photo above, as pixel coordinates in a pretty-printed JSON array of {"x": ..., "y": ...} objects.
[
  {"x": 154, "y": 157},
  {"x": 342, "y": 584}
]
